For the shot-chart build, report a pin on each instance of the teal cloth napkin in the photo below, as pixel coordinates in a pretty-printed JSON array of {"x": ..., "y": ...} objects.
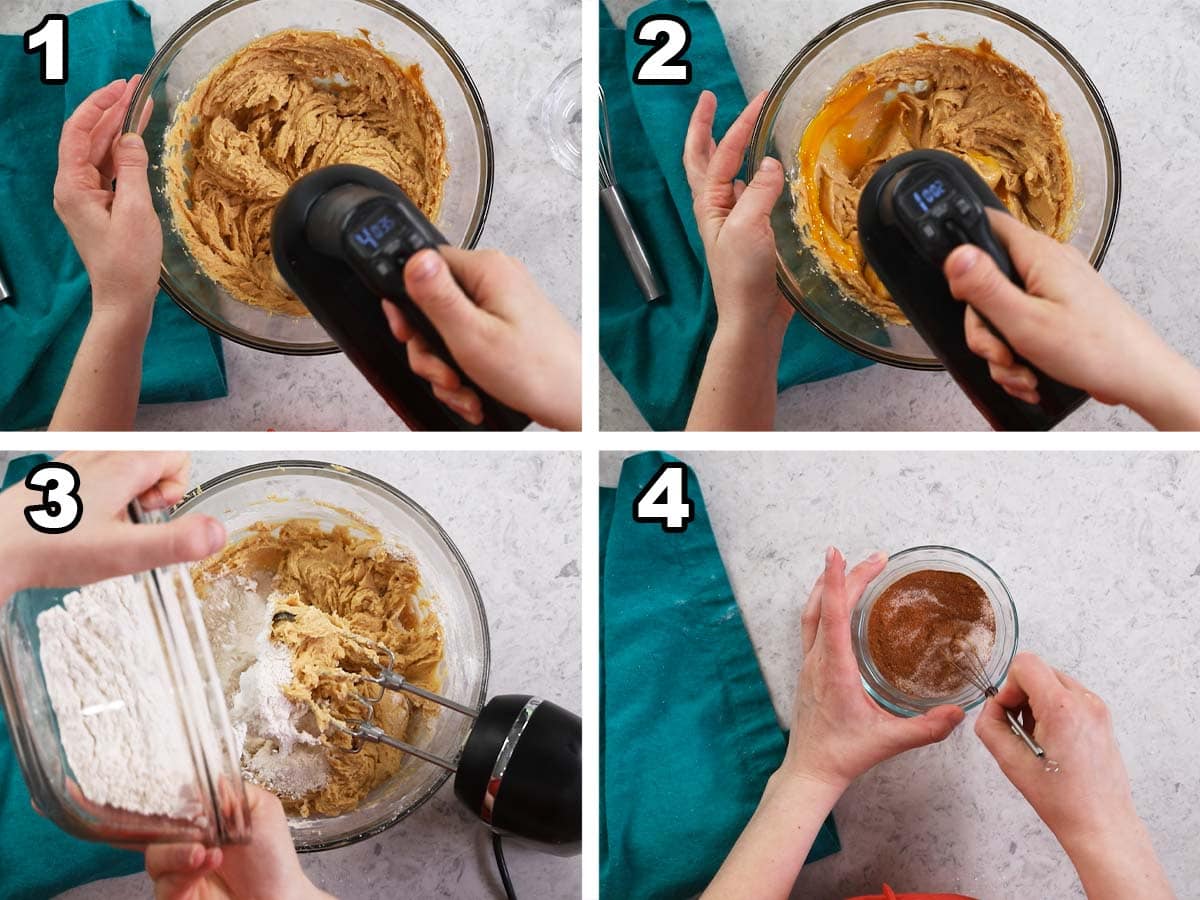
[
  {"x": 43, "y": 324},
  {"x": 37, "y": 860},
  {"x": 688, "y": 734},
  {"x": 657, "y": 350}
]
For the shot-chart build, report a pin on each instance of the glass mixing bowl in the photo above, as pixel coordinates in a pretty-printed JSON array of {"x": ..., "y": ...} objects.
[
  {"x": 940, "y": 559},
  {"x": 801, "y": 90},
  {"x": 335, "y": 495},
  {"x": 218, "y": 32}
]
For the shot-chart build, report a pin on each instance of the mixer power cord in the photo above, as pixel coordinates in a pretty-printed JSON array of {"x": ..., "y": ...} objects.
[{"x": 502, "y": 866}]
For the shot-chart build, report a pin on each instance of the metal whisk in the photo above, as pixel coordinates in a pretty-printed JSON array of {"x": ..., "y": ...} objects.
[
  {"x": 967, "y": 661},
  {"x": 612, "y": 198}
]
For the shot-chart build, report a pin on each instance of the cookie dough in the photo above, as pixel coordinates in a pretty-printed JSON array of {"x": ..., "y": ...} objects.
[
  {"x": 968, "y": 101},
  {"x": 280, "y": 107},
  {"x": 336, "y": 593}
]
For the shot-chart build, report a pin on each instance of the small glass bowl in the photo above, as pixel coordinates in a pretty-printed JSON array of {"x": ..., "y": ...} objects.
[
  {"x": 335, "y": 495},
  {"x": 802, "y": 88},
  {"x": 219, "y": 31},
  {"x": 162, "y": 638},
  {"x": 940, "y": 559}
]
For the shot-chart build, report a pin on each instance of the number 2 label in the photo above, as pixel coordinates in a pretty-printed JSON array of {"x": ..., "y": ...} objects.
[
  {"x": 61, "y": 507},
  {"x": 665, "y": 501},
  {"x": 670, "y": 37},
  {"x": 50, "y": 39}
]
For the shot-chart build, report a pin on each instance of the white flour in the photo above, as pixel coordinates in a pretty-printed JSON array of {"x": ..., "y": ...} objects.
[
  {"x": 277, "y": 751},
  {"x": 116, "y": 713}
]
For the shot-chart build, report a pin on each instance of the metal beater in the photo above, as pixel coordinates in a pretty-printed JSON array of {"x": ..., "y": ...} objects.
[
  {"x": 967, "y": 661},
  {"x": 520, "y": 769},
  {"x": 612, "y": 198}
]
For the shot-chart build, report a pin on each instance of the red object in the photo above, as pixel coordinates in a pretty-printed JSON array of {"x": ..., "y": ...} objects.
[{"x": 889, "y": 894}]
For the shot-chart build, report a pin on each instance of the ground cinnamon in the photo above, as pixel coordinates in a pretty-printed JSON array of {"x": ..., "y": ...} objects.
[{"x": 916, "y": 626}]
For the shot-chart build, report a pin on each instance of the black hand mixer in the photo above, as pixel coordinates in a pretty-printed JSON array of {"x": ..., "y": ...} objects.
[
  {"x": 914, "y": 211},
  {"x": 520, "y": 769},
  {"x": 340, "y": 238}
]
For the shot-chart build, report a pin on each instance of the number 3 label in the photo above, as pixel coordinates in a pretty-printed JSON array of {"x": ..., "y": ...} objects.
[
  {"x": 50, "y": 37},
  {"x": 670, "y": 37},
  {"x": 665, "y": 501},
  {"x": 61, "y": 507}
]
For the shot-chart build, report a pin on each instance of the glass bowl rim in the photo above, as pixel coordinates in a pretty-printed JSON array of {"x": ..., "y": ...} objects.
[
  {"x": 872, "y": 12},
  {"x": 1006, "y": 600},
  {"x": 161, "y": 60},
  {"x": 337, "y": 471}
]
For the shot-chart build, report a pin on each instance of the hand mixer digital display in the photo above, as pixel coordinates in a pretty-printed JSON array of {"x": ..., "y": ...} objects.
[
  {"x": 914, "y": 211},
  {"x": 340, "y": 239}
]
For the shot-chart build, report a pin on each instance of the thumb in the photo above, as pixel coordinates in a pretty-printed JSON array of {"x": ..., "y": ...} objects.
[
  {"x": 130, "y": 165},
  {"x": 933, "y": 726},
  {"x": 136, "y": 548},
  {"x": 974, "y": 277},
  {"x": 432, "y": 287},
  {"x": 760, "y": 194}
]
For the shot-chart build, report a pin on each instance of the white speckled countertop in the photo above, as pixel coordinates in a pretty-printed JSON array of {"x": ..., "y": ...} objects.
[
  {"x": 515, "y": 519},
  {"x": 1101, "y": 556},
  {"x": 1132, "y": 49},
  {"x": 513, "y": 57}
]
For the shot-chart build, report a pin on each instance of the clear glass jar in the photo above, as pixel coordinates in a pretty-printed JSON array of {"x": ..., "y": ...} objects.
[
  {"x": 939, "y": 559},
  {"x": 274, "y": 492},
  {"x": 166, "y": 677}
]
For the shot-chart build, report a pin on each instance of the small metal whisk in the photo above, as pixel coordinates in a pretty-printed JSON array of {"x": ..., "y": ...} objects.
[
  {"x": 967, "y": 660},
  {"x": 612, "y": 198}
]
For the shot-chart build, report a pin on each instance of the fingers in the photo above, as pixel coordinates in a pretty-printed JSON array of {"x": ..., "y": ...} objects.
[
  {"x": 170, "y": 859},
  {"x": 433, "y": 289},
  {"x": 399, "y": 326},
  {"x": 931, "y": 727},
  {"x": 757, "y": 200},
  {"x": 164, "y": 470},
  {"x": 75, "y": 144},
  {"x": 446, "y": 383},
  {"x": 137, "y": 548},
  {"x": 834, "y": 622},
  {"x": 727, "y": 157},
  {"x": 811, "y": 615},
  {"x": 1018, "y": 380},
  {"x": 974, "y": 278},
  {"x": 863, "y": 574},
  {"x": 105, "y": 133},
  {"x": 1030, "y": 680},
  {"x": 131, "y": 165},
  {"x": 699, "y": 145}
]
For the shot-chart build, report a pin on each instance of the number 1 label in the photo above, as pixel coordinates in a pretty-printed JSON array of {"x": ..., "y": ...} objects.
[{"x": 50, "y": 39}]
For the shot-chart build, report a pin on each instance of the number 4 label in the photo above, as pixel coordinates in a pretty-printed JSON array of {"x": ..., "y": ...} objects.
[
  {"x": 670, "y": 37},
  {"x": 665, "y": 501},
  {"x": 50, "y": 38}
]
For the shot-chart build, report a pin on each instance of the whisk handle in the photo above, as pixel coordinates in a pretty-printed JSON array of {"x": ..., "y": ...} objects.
[{"x": 615, "y": 205}]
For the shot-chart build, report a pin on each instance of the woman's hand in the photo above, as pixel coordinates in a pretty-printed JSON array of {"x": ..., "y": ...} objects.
[
  {"x": 738, "y": 386},
  {"x": 1087, "y": 803},
  {"x": 1069, "y": 323},
  {"x": 120, "y": 241},
  {"x": 501, "y": 329},
  {"x": 267, "y": 867},
  {"x": 116, "y": 231},
  {"x": 838, "y": 731},
  {"x": 734, "y": 218},
  {"x": 105, "y": 543}
]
